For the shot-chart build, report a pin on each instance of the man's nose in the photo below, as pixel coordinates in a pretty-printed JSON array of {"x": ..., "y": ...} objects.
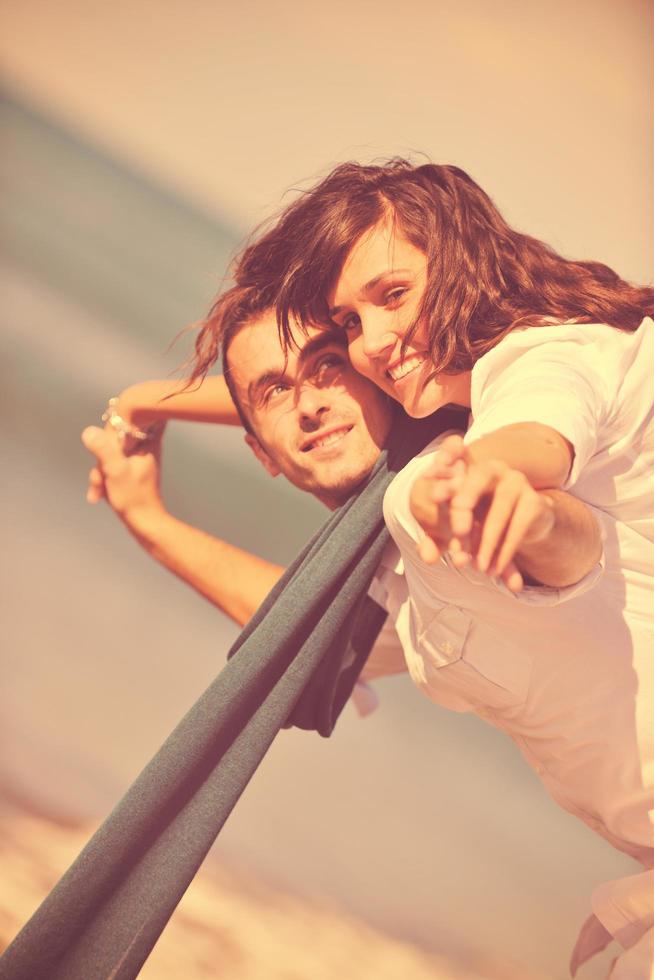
[{"x": 312, "y": 406}]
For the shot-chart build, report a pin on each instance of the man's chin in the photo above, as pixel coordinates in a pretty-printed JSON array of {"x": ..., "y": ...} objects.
[
  {"x": 332, "y": 486},
  {"x": 339, "y": 487}
]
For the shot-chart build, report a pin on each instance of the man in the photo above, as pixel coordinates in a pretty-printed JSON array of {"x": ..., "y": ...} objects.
[
  {"x": 309, "y": 416},
  {"x": 326, "y": 443}
]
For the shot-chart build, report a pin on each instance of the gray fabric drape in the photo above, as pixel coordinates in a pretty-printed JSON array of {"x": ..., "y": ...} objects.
[{"x": 295, "y": 663}]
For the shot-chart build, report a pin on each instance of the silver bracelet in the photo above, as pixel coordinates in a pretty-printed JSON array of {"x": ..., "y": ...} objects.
[{"x": 125, "y": 429}]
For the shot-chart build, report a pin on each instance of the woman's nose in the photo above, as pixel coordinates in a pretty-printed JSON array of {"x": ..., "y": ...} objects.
[{"x": 378, "y": 338}]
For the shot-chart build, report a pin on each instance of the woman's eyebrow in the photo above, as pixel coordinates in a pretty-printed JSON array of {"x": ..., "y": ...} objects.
[{"x": 371, "y": 284}]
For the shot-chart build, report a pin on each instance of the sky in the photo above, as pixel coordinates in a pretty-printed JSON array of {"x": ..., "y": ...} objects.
[{"x": 548, "y": 105}]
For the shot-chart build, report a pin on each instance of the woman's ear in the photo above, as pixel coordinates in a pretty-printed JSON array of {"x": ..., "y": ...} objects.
[{"x": 261, "y": 454}]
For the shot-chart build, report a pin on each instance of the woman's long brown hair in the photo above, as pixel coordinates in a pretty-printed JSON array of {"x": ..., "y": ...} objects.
[{"x": 484, "y": 278}]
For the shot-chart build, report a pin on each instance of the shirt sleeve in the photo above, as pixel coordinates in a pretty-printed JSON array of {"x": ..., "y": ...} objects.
[
  {"x": 386, "y": 658},
  {"x": 554, "y": 383}
]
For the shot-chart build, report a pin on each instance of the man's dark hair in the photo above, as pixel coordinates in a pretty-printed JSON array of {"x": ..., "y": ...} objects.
[{"x": 233, "y": 310}]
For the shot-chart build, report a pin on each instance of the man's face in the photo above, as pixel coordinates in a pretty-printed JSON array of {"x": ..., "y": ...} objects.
[{"x": 316, "y": 420}]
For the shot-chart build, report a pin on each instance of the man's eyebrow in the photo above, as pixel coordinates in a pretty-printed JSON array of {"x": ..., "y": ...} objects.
[
  {"x": 324, "y": 339},
  {"x": 259, "y": 384},
  {"x": 369, "y": 286}
]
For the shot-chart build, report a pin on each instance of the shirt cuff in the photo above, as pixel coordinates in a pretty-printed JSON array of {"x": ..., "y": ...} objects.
[
  {"x": 624, "y": 906},
  {"x": 545, "y": 595},
  {"x": 364, "y": 699},
  {"x": 538, "y": 595}
]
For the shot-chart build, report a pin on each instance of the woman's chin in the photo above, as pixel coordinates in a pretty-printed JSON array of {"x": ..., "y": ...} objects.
[
  {"x": 423, "y": 404},
  {"x": 427, "y": 398},
  {"x": 419, "y": 413}
]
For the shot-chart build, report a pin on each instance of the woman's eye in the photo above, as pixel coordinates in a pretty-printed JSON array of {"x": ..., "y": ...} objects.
[{"x": 393, "y": 296}]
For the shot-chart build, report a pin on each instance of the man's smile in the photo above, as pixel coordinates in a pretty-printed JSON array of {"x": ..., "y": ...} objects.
[{"x": 326, "y": 438}]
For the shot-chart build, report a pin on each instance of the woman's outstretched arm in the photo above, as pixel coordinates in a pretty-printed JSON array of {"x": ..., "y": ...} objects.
[{"x": 477, "y": 505}]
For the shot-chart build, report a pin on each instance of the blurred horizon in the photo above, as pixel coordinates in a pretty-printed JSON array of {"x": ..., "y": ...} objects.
[{"x": 135, "y": 162}]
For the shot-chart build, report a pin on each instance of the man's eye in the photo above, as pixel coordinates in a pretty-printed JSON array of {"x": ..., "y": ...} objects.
[
  {"x": 275, "y": 391},
  {"x": 327, "y": 365},
  {"x": 351, "y": 322},
  {"x": 330, "y": 360}
]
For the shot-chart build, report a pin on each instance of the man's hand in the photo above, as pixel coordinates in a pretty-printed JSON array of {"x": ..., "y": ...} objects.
[
  {"x": 129, "y": 482},
  {"x": 486, "y": 511},
  {"x": 232, "y": 579}
]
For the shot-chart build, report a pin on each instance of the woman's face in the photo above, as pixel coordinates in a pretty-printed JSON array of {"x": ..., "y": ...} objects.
[{"x": 376, "y": 300}]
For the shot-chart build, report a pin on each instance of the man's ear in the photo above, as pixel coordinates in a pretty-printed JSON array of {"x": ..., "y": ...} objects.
[{"x": 262, "y": 455}]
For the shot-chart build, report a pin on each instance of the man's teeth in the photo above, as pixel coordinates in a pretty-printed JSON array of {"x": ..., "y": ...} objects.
[
  {"x": 411, "y": 362},
  {"x": 328, "y": 440}
]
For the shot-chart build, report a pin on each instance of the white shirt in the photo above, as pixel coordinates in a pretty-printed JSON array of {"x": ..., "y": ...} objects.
[
  {"x": 595, "y": 385},
  {"x": 568, "y": 674}
]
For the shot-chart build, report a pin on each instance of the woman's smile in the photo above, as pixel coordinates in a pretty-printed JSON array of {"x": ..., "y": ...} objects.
[
  {"x": 400, "y": 369},
  {"x": 378, "y": 302}
]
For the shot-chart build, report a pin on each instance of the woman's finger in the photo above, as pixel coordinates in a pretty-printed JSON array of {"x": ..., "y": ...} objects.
[
  {"x": 428, "y": 550},
  {"x": 460, "y": 551},
  {"x": 526, "y": 511},
  {"x": 512, "y": 578},
  {"x": 443, "y": 490},
  {"x": 445, "y": 486},
  {"x": 477, "y": 482},
  {"x": 421, "y": 502},
  {"x": 441, "y": 470},
  {"x": 496, "y": 523},
  {"x": 452, "y": 447}
]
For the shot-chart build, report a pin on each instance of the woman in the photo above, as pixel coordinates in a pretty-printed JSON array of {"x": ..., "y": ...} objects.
[
  {"x": 435, "y": 292},
  {"x": 442, "y": 302}
]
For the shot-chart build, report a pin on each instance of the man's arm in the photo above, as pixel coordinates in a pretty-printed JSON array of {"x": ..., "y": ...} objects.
[
  {"x": 232, "y": 579},
  {"x": 148, "y": 402},
  {"x": 477, "y": 506},
  {"x": 153, "y": 401},
  {"x": 565, "y": 553}
]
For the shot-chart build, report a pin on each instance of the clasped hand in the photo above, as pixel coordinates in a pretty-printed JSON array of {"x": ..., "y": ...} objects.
[
  {"x": 129, "y": 481},
  {"x": 480, "y": 512}
]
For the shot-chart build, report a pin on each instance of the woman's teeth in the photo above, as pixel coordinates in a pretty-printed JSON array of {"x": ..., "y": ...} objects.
[{"x": 400, "y": 370}]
